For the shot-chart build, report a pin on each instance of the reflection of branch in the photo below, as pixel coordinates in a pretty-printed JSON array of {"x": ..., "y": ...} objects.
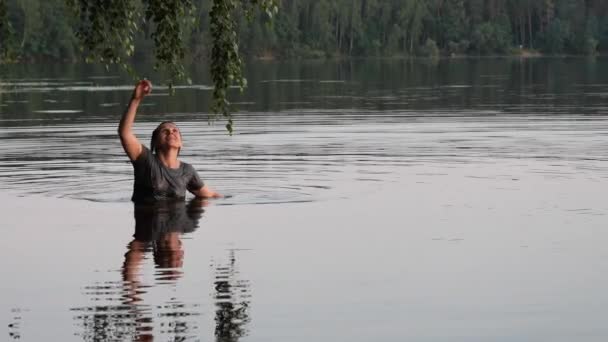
[
  {"x": 13, "y": 327},
  {"x": 232, "y": 303}
]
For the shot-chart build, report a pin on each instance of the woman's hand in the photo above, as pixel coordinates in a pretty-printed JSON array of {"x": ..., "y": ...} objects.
[
  {"x": 206, "y": 192},
  {"x": 143, "y": 88}
]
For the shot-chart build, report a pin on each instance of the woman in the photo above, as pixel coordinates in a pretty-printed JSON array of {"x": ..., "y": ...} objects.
[{"x": 159, "y": 175}]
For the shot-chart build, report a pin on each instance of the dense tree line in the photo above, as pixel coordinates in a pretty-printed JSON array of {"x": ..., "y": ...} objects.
[
  {"x": 43, "y": 29},
  {"x": 428, "y": 27}
]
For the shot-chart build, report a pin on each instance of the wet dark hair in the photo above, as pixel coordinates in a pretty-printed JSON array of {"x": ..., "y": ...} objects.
[{"x": 155, "y": 135}]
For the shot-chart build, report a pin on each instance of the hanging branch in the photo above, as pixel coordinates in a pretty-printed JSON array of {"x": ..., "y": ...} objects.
[
  {"x": 171, "y": 18},
  {"x": 6, "y": 31},
  {"x": 106, "y": 30},
  {"x": 226, "y": 64}
]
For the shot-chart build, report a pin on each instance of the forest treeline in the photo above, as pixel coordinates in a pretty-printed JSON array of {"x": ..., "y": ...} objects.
[{"x": 44, "y": 29}]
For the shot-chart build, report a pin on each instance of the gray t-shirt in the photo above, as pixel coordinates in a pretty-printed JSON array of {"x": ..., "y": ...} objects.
[{"x": 156, "y": 182}]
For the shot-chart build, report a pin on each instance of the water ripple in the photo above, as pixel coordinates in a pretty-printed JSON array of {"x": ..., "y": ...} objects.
[{"x": 283, "y": 157}]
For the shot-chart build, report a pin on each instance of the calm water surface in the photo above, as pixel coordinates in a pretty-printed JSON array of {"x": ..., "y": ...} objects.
[{"x": 461, "y": 200}]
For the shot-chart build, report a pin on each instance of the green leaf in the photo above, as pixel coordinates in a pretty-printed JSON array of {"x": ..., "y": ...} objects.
[{"x": 106, "y": 30}]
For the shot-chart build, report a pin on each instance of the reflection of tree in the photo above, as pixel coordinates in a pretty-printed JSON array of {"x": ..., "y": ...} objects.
[
  {"x": 14, "y": 327},
  {"x": 232, "y": 302},
  {"x": 158, "y": 229}
]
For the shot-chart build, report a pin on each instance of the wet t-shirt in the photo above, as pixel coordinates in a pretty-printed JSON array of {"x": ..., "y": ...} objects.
[{"x": 156, "y": 182}]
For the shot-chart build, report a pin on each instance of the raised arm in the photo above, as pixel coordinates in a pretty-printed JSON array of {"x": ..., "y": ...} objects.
[{"x": 129, "y": 141}]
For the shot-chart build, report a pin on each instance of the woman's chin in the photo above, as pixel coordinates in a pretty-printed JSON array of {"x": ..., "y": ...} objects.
[{"x": 169, "y": 146}]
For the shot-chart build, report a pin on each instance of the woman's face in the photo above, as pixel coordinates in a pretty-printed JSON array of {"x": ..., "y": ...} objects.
[{"x": 169, "y": 136}]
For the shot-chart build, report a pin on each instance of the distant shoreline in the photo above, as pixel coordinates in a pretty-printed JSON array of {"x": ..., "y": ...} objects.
[{"x": 523, "y": 54}]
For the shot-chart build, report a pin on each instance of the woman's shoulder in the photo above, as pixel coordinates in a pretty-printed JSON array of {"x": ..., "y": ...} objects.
[
  {"x": 187, "y": 167},
  {"x": 144, "y": 157}
]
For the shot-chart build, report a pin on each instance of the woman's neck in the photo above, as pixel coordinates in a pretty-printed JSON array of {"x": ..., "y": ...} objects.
[{"x": 168, "y": 158}]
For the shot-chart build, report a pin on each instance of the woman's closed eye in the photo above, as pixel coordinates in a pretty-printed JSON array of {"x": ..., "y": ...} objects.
[{"x": 168, "y": 131}]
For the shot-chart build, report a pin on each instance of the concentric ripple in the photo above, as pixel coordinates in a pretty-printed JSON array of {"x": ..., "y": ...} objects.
[{"x": 298, "y": 157}]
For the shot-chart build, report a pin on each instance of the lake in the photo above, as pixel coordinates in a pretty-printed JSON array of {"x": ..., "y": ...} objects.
[{"x": 450, "y": 200}]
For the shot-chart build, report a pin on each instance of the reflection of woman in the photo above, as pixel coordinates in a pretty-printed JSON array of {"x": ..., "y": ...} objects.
[{"x": 158, "y": 227}]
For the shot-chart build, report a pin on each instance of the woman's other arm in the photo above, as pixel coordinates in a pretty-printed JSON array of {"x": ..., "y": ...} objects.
[{"x": 206, "y": 192}]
